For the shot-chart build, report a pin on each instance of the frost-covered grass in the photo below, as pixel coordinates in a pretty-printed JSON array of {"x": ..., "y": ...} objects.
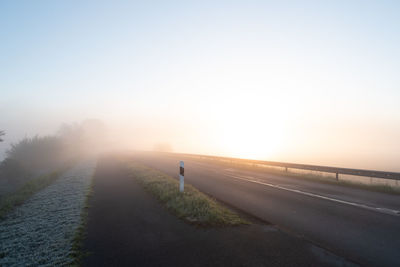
[
  {"x": 10, "y": 201},
  {"x": 41, "y": 231}
]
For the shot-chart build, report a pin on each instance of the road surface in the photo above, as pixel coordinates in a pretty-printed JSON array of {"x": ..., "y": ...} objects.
[
  {"x": 359, "y": 225},
  {"x": 127, "y": 226}
]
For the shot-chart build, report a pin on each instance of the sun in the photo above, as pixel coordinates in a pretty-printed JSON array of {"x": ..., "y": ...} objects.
[{"x": 246, "y": 135}]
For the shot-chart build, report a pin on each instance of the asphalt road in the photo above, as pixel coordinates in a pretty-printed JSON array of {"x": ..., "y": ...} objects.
[
  {"x": 359, "y": 225},
  {"x": 127, "y": 226}
]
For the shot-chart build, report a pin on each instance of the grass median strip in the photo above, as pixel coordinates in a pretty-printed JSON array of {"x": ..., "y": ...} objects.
[
  {"x": 77, "y": 252},
  {"x": 25, "y": 192},
  {"x": 192, "y": 205}
]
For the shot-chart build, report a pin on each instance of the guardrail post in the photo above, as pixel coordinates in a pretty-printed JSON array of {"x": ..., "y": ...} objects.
[
  {"x": 181, "y": 176},
  {"x": 337, "y": 176}
]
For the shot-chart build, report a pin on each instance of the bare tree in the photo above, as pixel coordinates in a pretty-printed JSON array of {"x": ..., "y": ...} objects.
[{"x": 1, "y": 134}]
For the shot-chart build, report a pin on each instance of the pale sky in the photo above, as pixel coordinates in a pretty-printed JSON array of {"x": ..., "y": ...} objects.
[{"x": 313, "y": 82}]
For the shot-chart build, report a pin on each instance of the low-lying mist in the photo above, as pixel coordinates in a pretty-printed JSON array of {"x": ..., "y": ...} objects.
[
  {"x": 26, "y": 156},
  {"x": 37, "y": 155}
]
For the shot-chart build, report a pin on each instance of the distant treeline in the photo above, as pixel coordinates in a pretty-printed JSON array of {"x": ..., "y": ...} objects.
[{"x": 40, "y": 154}]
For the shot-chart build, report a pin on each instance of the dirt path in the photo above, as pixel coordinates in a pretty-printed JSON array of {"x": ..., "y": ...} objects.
[{"x": 128, "y": 227}]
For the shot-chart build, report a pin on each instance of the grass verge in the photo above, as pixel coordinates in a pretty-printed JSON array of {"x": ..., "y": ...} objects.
[
  {"x": 77, "y": 252},
  {"x": 9, "y": 202},
  {"x": 192, "y": 205}
]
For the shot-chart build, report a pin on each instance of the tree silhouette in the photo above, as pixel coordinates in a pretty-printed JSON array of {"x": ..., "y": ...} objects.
[{"x": 1, "y": 134}]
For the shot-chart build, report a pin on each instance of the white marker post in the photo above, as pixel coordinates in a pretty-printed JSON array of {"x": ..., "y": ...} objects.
[{"x": 181, "y": 176}]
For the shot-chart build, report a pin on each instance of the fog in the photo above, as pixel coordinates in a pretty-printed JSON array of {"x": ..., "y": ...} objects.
[{"x": 265, "y": 81}]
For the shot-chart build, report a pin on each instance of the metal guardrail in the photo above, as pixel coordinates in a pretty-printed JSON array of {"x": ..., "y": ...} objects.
[{"x": 336, "y": 170}]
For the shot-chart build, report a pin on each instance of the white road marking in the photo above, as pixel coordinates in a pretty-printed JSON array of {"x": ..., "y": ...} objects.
[{"x": 377, "y": 209}]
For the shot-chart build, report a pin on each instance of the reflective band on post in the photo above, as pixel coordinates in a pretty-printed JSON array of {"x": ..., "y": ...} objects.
[{"x": 181, "y": 176}]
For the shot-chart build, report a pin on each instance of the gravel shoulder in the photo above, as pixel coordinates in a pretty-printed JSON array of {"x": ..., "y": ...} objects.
[{"x": 129, "y": 227}]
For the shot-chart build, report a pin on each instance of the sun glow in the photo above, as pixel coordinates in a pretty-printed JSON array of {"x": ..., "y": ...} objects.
[
  {"x": 256, "y": 130},
  {"x": 252, "y": 144}
]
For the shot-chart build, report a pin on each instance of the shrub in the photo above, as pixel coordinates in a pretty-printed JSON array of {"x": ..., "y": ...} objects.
[
  {"x": 12, "y": 171},
  {"x": 37, "y": 153}
]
